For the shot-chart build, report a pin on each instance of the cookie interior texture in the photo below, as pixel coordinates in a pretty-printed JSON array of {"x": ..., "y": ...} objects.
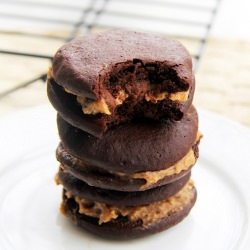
[
  {"x": 151, "y": 78},
  {"x": 70, "y": 107},
  {"x": 125, "y": 222}
]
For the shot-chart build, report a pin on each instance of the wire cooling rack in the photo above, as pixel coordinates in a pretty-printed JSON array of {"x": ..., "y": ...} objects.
[{"x": 32, "y": 30}]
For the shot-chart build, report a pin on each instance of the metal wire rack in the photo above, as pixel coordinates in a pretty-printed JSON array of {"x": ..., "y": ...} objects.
[{"x": 32, "y": 30}]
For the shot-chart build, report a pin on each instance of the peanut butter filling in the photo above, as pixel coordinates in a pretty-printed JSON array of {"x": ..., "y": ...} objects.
[
  {"x": 181, "y": 96},
  {"x": 147, "y": 213},
  {"x": 92, "y": 107},
  {"x": 50, "y": 73}
]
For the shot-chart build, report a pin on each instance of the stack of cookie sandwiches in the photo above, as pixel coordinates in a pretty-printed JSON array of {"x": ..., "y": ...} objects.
[{"x": 128, "y": 130}]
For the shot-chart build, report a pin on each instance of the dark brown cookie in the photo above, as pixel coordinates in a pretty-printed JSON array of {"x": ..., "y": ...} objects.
[
  {"x": 134, "y": 147},
  {"x": 101, "y": 178},
  {"x": 129, "y": 227},
  {"x": 82, "y": 190},
  {"x": 101, "y": 80}
]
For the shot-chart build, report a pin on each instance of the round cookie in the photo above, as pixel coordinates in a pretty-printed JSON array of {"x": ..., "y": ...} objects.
[
  {"x": 82, "y": 190},
  {"x": 134, "y": 147},
  {"x": 124, "y": 228},
  {"x": 101, "y": 80},
  {"x": 98, "y": 177}
]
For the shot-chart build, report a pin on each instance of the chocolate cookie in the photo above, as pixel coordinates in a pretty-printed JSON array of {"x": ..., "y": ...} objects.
[
  {"x": 135, "y": 147},
  {"x": 82, "y": 190},
  {"x": 125, "y": 222},
  {"x": 101, "y": 80},
  {"x": 98, "y": 177}
]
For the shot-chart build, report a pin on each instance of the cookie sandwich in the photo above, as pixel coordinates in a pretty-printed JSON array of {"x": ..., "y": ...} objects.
[
  {"x": 99, "y": 81},
  {"x": 128, "y": 131}
]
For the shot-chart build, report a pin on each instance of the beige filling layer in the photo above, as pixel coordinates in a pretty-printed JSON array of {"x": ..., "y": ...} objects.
[
  {"x": 50, "y": 73},
  {"x": 93, "y": 107},
  {"x": 147, "y": 213},
  {"x": 181, "y": 96}
]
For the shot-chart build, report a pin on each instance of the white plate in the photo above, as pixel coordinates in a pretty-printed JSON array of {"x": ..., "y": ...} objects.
[{"x": 29, "y": 199}]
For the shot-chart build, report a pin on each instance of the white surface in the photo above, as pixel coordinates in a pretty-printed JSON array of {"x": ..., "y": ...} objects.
[
  {"x": 29, "y": 199},
  {"x": 232, "y": 20}
]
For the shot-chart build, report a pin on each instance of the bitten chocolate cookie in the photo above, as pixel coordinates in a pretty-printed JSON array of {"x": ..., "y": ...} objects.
[
  {"x": 101, "y": 80},
  {"x": 126, "y": 222}
]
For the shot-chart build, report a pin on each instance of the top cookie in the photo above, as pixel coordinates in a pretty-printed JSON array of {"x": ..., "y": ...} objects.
[{"x": 118, "y": 75}]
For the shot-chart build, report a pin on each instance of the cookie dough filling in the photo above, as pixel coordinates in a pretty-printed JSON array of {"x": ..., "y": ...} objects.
[
  {"x": 92, "y": 107},
  {"x": 179, "y": 96},
  {"x": 147, "y": 213}
]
